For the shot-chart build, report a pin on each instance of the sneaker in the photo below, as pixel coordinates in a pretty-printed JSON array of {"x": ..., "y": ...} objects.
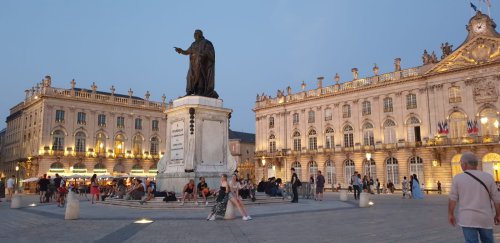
[
  {"x": 182, "y": 203},
  {"x": 249, "y": 218},
  {"x": 196, "y": 203},
  {"x": 212, "y": 218},
  {"x": 206, "y": 203},
  {"x": 245, "y": 218}
]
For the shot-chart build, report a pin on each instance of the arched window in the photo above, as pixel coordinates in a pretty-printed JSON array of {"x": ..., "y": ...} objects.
[
  {"x": 417, "y": 168},
  {"x": 368, "y": 134},
  {"x": 389, "y": 131},
  {"x": 271, "y": 122},
  {"x": 346, "y": 111},
  {"x": 100, "y": 168},
  {"x": 367, "y": 108},
  {"x": 413, "y": 126},
  {"x": 388, "y": 104},
  {"x": 58, "y": 141},
  {"x": 271, "y": 170},
  {"x": 392, "y": 170},
  {"x": 137, "y": 169},
  {"x": 348, "y": 137},
  {"x": 331, "y": 175},
  {"x": 272, "y": 143},
  {"x": 311, "y": 117},
  {"x": 329, "y": 139},
  {"x": 489, "y": 122},
  {"x": 153, "y": 150},
  {"x": 79, "y": 168},
  {"x": 80, "y": 142},
  {"x": 137, "y": 145},
  {"x": 100, "y": 145},
  {"x": 313, "y": 169},
  {"x": 154, "y": 168},
  {"x": 56, "y": 167},
  {"x": 119, "y": 144},
  {"x": 296, "y": 141},
  {"x": 313, "y": 140},
  {"x": 348, "y": 170},
  {"x": 296, "y": 165},
  {"x": 369, "y": 168},
  {"x": 458, "y": 124}
]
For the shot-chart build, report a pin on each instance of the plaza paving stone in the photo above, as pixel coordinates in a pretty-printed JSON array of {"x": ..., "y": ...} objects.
[{"x": 391, "y": 219}]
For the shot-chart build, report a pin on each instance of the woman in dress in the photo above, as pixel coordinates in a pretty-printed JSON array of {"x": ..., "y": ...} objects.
[
  {"x": 416, "y": 192},
  {"x": 225, "y": 196},
  {"x": 235, "y": 187},
  {"x": 94, "y": 188}
]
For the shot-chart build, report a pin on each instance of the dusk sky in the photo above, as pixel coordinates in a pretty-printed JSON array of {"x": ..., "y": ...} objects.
[{"x": 261, "y": 46}]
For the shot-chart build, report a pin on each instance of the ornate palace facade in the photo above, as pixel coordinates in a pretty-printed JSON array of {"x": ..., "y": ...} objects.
[
  {"x": 79, "y": 131},
  {"x": 410, "y": 121}
]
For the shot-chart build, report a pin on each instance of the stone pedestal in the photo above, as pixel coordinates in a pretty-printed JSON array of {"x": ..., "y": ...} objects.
[
  {"x": 15, "y": 201},
  {"x": 197, "y": 144},
  {"x": 343, "y": 195},
  {"x": 72, "y": 206},
  {"x": 364, "y": 198}
]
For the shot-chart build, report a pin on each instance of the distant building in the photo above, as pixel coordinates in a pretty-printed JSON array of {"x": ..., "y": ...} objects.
[
  {"x": 84, "y": 131},
  {"x": 242, "y": 146},
  {"x": 2, "y": 141},
  {"x": 411, "y": 121}
]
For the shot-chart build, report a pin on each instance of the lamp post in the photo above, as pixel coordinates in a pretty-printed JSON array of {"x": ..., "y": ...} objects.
[
  {"x": 496, "y": 172},
  {"x": 484, "y": 121},
  {"x": 17, "y": 177}
]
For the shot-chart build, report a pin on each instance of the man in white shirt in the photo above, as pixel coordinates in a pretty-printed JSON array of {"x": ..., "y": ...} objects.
[
  {"x": 10, "y": 187},
  {"x": 474, "y": 190}
]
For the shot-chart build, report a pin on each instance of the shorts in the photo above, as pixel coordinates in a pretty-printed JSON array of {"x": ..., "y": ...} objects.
[{"x": 319, "y": 189}]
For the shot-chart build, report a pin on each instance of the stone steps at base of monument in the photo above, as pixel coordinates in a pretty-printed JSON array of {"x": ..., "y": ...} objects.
[{"x": 158, "y": 203}]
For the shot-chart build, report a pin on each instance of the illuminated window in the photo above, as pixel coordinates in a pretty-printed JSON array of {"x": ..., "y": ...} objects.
[{"x": 348, "y": 137}]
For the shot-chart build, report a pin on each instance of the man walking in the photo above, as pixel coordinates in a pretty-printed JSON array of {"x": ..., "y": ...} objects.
[
  {"x": 474, "y": 190},
  {"x": 295, "y": 184},
  {"x": 10, "y": 187},
  {"x": 43, "y": 185}
]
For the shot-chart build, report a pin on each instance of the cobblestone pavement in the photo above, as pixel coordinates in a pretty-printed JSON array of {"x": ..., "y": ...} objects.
[{"x": 391, "y": 219}]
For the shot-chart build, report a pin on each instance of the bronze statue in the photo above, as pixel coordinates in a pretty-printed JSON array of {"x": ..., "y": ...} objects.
[{"x": 201, "y": 74}]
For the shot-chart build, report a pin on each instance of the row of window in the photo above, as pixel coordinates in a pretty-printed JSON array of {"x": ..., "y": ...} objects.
[
  {"x": 101, "y": 120},
  {"x": 411, "y": 103},
  {"x": 389, "y": 126},
  {"x": 58, "y": 143},
  {"x": 369, "y": 169}
]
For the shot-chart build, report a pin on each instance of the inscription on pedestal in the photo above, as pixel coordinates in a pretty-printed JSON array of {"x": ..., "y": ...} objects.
[{"x": 177, "y": 142}]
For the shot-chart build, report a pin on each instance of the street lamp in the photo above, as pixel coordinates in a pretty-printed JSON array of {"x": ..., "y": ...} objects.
[
  {"x": 17, "y": 177},
  {"x": 496, "y": 172},
  {"x": 263, "y": 161},
  {"x": 368, "y": 156}
]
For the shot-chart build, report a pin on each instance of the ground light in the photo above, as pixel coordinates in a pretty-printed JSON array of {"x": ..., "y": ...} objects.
[
  {"x": 370, "y": 203},
  {"x": 143, "y": 221},
  {"x": 32, "y": 205}
]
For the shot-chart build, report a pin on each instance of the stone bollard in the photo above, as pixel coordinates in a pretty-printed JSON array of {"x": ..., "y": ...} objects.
[
  {"x": 229, "y": 211},
  {"x": 72, "y": 206},
  {"x": 343, "y": 195},
  {"x": 15, "y": 202},
  {"x": 364, "y": 198}
]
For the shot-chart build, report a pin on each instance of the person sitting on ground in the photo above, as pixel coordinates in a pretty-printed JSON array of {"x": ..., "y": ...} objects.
[
  {"x": 150, "y": 190},
  {"x": 121, "y": 189},
  {"x": 279, "y": 187},
  {"x": 203, "y": 189},
  {"x": 189, "y": 191},
  {"x": 262, "y": 186},
  {"x": 136, "y": 191}
]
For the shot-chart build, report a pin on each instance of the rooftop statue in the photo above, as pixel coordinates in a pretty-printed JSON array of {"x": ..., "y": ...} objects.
[{"x": 201, "y": 74}]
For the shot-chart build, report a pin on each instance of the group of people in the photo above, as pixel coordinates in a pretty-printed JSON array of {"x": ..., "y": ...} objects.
[
  {"x": 412, "y": 188},
  {"x": 245, "y": 190},
  {"x": 52, "y": 189}
]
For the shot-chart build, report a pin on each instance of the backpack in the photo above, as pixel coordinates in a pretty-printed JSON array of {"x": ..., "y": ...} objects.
[{"x": 298, "y": 182}]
